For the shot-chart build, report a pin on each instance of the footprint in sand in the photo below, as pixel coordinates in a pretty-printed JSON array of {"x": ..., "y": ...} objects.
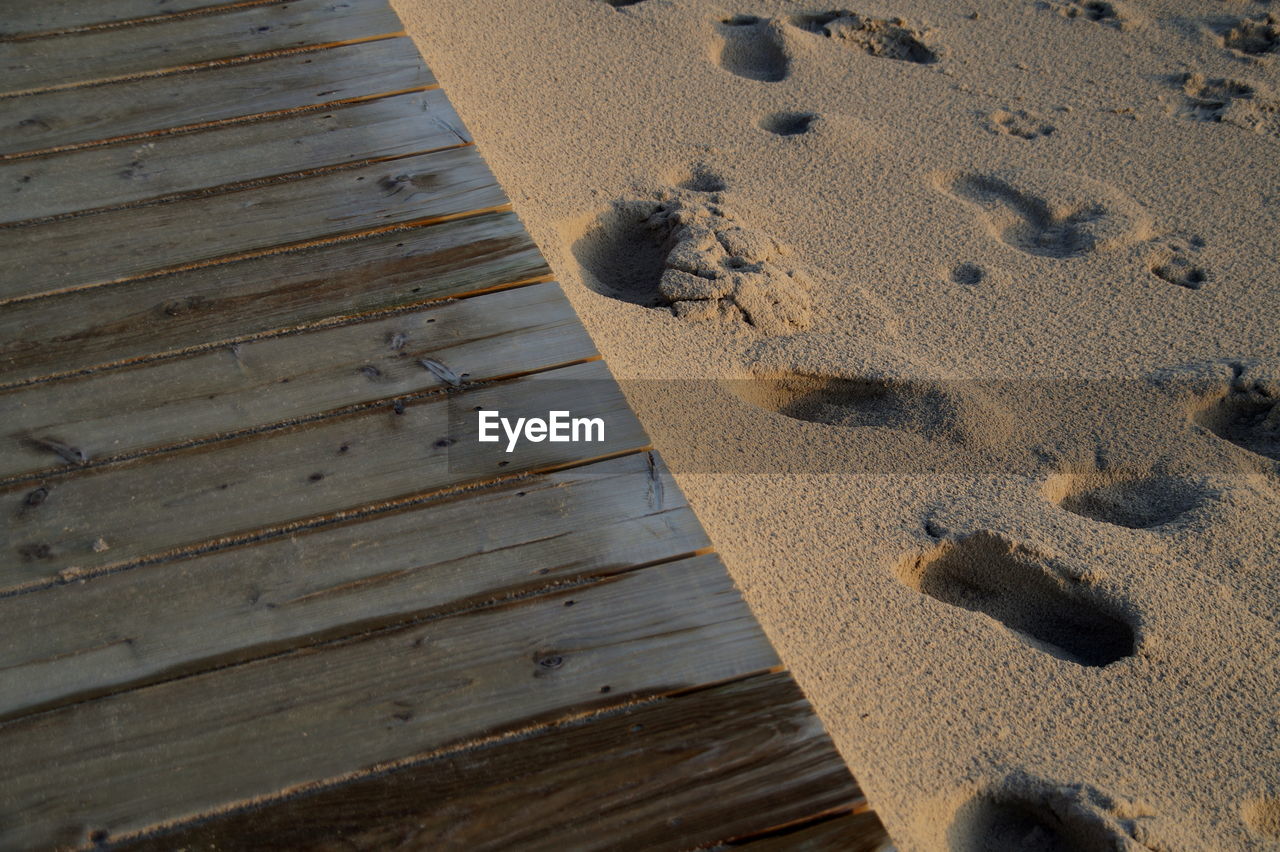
[
  {"x": 955, "y": 418},
  {"x": 1247, "y": 415},
  {"x": 1133, "y": 500},
  {"x": 889, "y": 38},
  {"x": 755, "y": 48},
  {"x": 1043, "y": 604},
  {"x": 1253, "y": 37},
  {"x": 751, "y": 47},
  {"x": 1098, "y": 11},
  {"x": 788, "y": 123},
  {"x": 1050, "y": 215},
  {"x": 689, "y": 252},
  {"x": 909, "y": 406},
  {"x": 1020, "y": 124},
  {"x": 1173, "y": 263},
  {"x": 1027, "y": 813},
  {"x": 1224, "y": 100},
  {"x": 967, "y": 274}
]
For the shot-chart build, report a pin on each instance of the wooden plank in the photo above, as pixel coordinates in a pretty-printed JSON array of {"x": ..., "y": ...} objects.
[
  {"x": 69, "y": 117},
  {"x": 123, "y": 244},
  {"x": 23, "y": 17},
  {"x": 281, "y": 379},
  {"x": 217, "y": 304},
  {"x": 184, "y": 42},
  {"x": 102, "y": 178},
  {"x": 176, "y": 618},
  {"x": 264, "y": 556},
  {"x": 680, "y": 773},
  {"x": 216, "y": 492},
  {"x": 859, "y": 831},
  {"x": 178, "y": 749}
]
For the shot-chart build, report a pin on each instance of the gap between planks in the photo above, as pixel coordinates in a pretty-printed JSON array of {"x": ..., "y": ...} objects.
[
  {"x": 336, "y": 321},
  {"x": 265, "y": 252},
  {"x": 80, "y": 253},
  {"x": 356, "y": 631},
  {"x": 214, "y": 491},
  {"x": 194, "y": 311},
  {"x": 196, "y": 66},
  {"x": 615, "y": 634},
  {"x": 272, "y": 531},
  {"x": 54, "y": 121},
  {"x": 55, "y": 474},
  {"x": 855, "y": 829},
  {"x": 160, "y": 48},
  {"x": 263, "y": 182},
  {"x": 227, "y": 159},
  {"x": 194, "y": 127},
  {"x": 288, "y": 380},
  {"x": 214, "y": 8},
  {"x": 661, "y": 711},
  {"x": 252, "y": 601},
  {"x": 795, "y": 825}
]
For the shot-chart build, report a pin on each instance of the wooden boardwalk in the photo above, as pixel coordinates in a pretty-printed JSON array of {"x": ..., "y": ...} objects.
[{"x": 261, "y": 585}]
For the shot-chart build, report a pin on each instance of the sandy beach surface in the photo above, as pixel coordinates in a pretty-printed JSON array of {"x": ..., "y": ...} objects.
[{"x": 958, "y": 322}]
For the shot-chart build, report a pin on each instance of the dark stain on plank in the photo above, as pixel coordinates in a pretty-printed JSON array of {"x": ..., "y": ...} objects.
[
  {"x": 679, "y": 772},
  {"x": 67, "y": 452}
]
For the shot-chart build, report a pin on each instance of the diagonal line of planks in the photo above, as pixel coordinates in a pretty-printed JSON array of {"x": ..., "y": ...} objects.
[{"x": 261, "y": 587}]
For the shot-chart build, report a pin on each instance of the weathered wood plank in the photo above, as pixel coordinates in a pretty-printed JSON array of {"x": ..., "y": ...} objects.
[
  {"x": 119, "y": 514},
  {"x": 860, "y": 831},
  {"x": 134, "y": 107},
  {"x": 24, "y": 17},
  {"x": 174, "y": 750},
  {"x": 119, "y": 175},
  {"x": 680, "y": 773},
  {"x": 312, "y": 596},
  {"x": 276, "y": 380},
  {"x": 174, "y": 618},
  {"x": 215, "y": 304},
  {"x": 121, "y": 244},
  {"x": 99, "y": 55}
]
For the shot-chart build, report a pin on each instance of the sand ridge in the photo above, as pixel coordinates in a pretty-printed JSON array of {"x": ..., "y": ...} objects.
[{"x": 968, "y": 314}]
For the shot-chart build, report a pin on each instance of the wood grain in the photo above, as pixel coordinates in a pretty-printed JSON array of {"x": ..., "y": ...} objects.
[
  {"x": 276, "y": 380},
  {"x": 859, "y": 831},
  {"x": 115, "y": 53},
  {"x": 69, "y": 117},
  {"x": 119, "y": 175},
  {"x": 680, "y": 773},
  {"x": 175, "y": 618},
  {"x": 123, "y": 244},
  {"x": 201, "y": 496},
  {"x": 178, "y": 749},
  {"x": 217, "y": 304},
  {"x": 265, "y": 587},
  {"x": 23, "y": 17}
]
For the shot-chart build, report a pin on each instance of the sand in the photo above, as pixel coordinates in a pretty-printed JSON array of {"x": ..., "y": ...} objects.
[{"x": 968, "y": 315}]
